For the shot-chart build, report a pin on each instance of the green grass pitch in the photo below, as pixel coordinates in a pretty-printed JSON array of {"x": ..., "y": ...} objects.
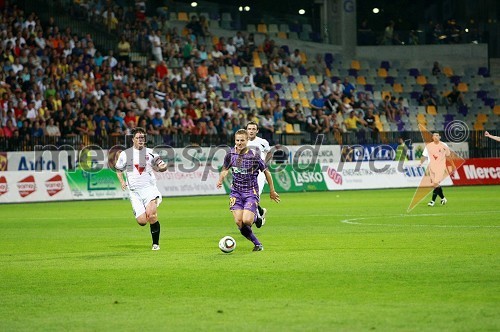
[{"x": 333, "y": 261}]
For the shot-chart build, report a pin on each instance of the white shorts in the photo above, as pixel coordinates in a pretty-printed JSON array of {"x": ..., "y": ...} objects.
[
  {"x": 261, "y": 180},
  {"x": 140, "y": 199}
]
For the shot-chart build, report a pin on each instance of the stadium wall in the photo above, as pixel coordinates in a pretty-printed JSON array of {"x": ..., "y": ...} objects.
[{"x": 305, "y": 169}]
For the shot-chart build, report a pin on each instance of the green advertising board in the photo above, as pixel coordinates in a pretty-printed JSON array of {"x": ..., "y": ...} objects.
[
  {"x": 292, "y": 178},
  {"x": 94, "y": 185}
]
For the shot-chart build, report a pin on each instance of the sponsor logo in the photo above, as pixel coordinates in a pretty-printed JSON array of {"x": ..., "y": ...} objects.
[
  {"x": 473, "y": 172},
  {"x": 3, "y": 185},
  {"x": 54, "y": 185},
  {"x": 306, "y": 177},
  {"x": 414, "y": 171},
  {"x": 284, "y": 180},
  {"x": 334, "y": 175},
  {"x": 3, "y": 161},
  {"x": 26, "y": 186},
  {"x": 139, "y": 168}
]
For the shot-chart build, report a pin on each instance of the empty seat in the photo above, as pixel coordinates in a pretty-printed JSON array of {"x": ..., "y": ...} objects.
[
  {"x": 355, "y": 64},
  {"x": 284, "y": 28},
  {"x": 421, "y": 80},
  {"x": 462, "y": 87},
  {"x": 382, "y": 72},
  {"x": 262, "y": 28},
  {"x": 282, "y": 35},
  {"x": 431, "y": 110},
  {"x": 183, "y": 16},
  {"x": 448, "y": 71},
  {"x": 273, "y": 28}
]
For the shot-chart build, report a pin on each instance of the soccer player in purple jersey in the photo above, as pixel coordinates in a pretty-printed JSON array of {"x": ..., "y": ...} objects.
[{"x": 245, "y": 165}]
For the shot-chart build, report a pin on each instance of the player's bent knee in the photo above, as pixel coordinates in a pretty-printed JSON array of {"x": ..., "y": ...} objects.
[
  {"x": 152, "y": 218},
  {"x": 142, "y": 220}
]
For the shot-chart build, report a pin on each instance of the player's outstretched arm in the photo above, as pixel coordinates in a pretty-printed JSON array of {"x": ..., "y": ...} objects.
[
  {"x": 119, "y": 174},
  {"x": 496, "y": 138},
  {"x": 222, "y": 176},
  {"x": 272, "y": 192}
]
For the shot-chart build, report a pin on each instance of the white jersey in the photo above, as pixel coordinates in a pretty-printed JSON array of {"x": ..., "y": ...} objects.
[
  {"x": 261, "y": 144},
  {"x": 137, "y": 166},
  {"x": 436, "y": 151}
]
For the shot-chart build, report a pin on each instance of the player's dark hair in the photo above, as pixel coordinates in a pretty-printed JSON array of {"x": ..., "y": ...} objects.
[
  {"x": 252, "y": 123},
  {"x": 138, "y": 130}
]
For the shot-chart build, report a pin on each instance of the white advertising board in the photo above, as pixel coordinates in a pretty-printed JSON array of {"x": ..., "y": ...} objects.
[{"x": 19, "y": 187}]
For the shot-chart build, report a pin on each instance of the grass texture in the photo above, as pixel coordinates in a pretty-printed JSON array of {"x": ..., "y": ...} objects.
[{"x": 333, "y": 261}]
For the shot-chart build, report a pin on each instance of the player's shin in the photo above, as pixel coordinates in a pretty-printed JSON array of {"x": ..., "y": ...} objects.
[
  {"x": 246, "y": 231},
  {"x": 434, "y": 194},
  {"x": 155, "y": 232}
]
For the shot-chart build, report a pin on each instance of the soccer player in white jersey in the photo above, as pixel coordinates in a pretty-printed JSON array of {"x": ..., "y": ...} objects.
[
  {"x": 138, "y": 163},
  {"x": 262, "y": 145},
  {"x": 436, "y": 152}
]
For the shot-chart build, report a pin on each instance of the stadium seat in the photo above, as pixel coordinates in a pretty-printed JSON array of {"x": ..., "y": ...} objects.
[
  {"x": 386, "y": 93},
  {"x": 305, "y": 103},
  {"x": 385, "y": 64},
  {"x": 273, "y": 28},
  {"x": 481, "y": 117},
  {"x": 421, "y": 80},
  {"x": 448, "y": 71},
  {"x": 389, "y": 80},
  {"x": 413, "y": 72},
  {"x": 478, "y": 126},
  {"x": 183, "y": 16},
  {"x": 262, "y": 28},
  {"x": 462, "y": 87},
  {"x": 483, "y": 71},
  {"x": 282, "y": 35},
  {"x": 355, "y": 64},
  {"x": 284, "y": 28},
  {"x": 398, "y": 88},
  {"x": 352, "y": 72},
  {"x": 237, "y": 71},
  {"x": 421, "y": 118},
  {"x": 303, "y": 56},
  {"x": 431, "y": 110},
  {"x": 307, "y": 28},
  {"x": 382, "y": 72},
  {"x": 361, "y": 80},
  {"x": 289, "y": 128},
  {"x": 226, "y": 17}
]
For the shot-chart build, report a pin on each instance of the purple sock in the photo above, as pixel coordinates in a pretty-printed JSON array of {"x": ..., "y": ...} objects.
[{"x": 246, "y": 231}]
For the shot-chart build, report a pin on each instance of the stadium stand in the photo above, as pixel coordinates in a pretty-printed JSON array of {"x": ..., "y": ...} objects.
[{"x": 57, "y": 87}]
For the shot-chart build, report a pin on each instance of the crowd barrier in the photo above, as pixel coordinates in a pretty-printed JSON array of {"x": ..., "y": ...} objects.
[{"x": 196, "y": 172}]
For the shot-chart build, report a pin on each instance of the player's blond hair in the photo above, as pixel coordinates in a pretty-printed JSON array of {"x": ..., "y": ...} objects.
[{"x": 241, "y": 132}]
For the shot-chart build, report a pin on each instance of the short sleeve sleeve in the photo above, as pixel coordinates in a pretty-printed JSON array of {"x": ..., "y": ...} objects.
[
  {"x": 227, "y": 161},
  {"x": 121, "y": 162}
]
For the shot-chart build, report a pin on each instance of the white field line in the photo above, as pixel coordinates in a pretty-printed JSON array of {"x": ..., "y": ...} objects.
[{"x": 355, "y": 221}]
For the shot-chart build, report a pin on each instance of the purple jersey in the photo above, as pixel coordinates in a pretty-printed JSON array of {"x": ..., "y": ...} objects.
[{"x": 245, "y": 168}]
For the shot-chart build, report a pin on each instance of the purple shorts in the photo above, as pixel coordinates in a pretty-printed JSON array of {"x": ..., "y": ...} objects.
[{"x": 243, "y": 201}]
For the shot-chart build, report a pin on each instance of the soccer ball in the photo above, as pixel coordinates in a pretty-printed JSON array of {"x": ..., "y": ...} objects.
[{"x": 227, "y": 244}]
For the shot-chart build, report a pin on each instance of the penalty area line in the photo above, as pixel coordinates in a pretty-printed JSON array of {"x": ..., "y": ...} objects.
[{"x": 356, "y": 221}]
